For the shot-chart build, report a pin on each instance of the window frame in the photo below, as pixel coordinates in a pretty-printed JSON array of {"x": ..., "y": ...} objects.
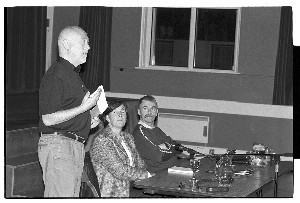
[{"x": 145, "y": 43}]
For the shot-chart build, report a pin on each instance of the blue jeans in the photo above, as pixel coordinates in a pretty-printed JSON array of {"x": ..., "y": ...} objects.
[{"x": 62, "y": 162}]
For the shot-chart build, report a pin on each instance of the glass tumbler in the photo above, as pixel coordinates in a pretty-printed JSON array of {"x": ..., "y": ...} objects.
[{"x": 224, "y": 171}]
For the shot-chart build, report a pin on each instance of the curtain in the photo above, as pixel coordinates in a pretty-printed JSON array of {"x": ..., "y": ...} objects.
[
  {"x": 96, "y": 21},
  {"x": 283, "y": 83},
  {"x": 25, "y": 48}
]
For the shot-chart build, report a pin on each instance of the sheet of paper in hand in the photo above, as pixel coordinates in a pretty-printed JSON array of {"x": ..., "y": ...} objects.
[{"x": 101, "y": 103}]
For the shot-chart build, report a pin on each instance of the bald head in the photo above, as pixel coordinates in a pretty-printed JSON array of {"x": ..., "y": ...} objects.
[
  {"x": 71, "y": 41},
  {"x": 70, "y": 34}
]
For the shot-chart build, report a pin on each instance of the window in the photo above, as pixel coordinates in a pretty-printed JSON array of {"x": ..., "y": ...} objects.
[{"x": 190, "y": 39}]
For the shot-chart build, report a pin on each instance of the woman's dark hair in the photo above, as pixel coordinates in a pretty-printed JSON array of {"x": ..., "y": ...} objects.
[{"x": 112, "y": 105}]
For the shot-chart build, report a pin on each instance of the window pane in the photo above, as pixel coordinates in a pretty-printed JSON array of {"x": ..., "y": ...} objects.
[
  {"x": 170, "y": 37},
  {"x": 215, "y": 37}
]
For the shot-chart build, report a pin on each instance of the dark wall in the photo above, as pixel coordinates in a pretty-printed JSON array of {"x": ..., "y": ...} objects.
[
  {"x": 126, "y": 31},
  {"x": 230, "y": 87},
  {"x": 259, "y": 41},
  {"x": 257, "y": 57},
  {"x": 242, "y": 131}
]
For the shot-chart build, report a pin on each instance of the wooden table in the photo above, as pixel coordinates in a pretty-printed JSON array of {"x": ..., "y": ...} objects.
[{"x": 241, "y": 187}]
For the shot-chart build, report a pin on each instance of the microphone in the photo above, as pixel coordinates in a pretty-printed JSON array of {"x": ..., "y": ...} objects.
[{"x": 192, "y": 152}]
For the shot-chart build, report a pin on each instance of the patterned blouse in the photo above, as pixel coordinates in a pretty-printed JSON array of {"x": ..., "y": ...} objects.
[{"x": 112, "y": 164}]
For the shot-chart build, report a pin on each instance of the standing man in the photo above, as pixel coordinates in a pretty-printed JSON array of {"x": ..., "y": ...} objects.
[
  {"x": 65, "y": 119},
  {"x": 154, "y": 146}
]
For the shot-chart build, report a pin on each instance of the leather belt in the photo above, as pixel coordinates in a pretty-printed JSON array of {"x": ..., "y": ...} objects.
[{"x": 69, "y": 135}]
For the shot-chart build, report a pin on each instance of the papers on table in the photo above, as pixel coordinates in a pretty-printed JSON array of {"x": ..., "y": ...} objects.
[
  {"x": 180, "y": 170},
  {"x": 183, "y": 155},
  {"x": 285, "y": 158}
]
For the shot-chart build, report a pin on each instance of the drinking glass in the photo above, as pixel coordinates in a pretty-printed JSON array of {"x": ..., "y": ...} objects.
[
  {"x": 224, "y": 171},
  {"x": 225, "y": 175},
  {"x": 195, "y": 165}
]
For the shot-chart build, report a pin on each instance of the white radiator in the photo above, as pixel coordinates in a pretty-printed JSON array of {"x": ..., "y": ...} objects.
[{"x": 183, "y": 127}]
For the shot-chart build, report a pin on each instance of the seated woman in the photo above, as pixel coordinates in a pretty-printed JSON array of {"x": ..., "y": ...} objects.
[{"x": 114, "y": 156}]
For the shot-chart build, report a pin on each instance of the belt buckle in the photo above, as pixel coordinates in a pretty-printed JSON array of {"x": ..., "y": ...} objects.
[{"x": 75, "y": 135}]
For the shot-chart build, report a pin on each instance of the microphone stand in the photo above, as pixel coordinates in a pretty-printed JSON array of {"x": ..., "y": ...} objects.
[{"x": 276, "y": 160}]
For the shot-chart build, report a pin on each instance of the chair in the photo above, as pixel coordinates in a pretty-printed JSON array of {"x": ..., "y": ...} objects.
[
  {"x": 89, "y": 182},
  {"x": 85, "y": 179}
]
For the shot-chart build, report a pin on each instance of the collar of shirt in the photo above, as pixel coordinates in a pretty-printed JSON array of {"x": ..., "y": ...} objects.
[
  {"x": 145, "y": 125},
  {"x": 125, "y": 146},
  {"x": 69, "y": 65}
]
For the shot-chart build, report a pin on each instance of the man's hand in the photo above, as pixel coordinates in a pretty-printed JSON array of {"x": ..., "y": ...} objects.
[
  {"x": 163, "y": 146},
  {"x": 144, "y": 176},
  {"x": 99, "y": 89},
  {"x": 90, "y": 101},
  {"x": 95, "y": 112},
  {"x": 94, "y": 122}
]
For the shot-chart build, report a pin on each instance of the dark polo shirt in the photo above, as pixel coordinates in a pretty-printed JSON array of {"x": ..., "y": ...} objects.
[{"x": 61, "y": 89}]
